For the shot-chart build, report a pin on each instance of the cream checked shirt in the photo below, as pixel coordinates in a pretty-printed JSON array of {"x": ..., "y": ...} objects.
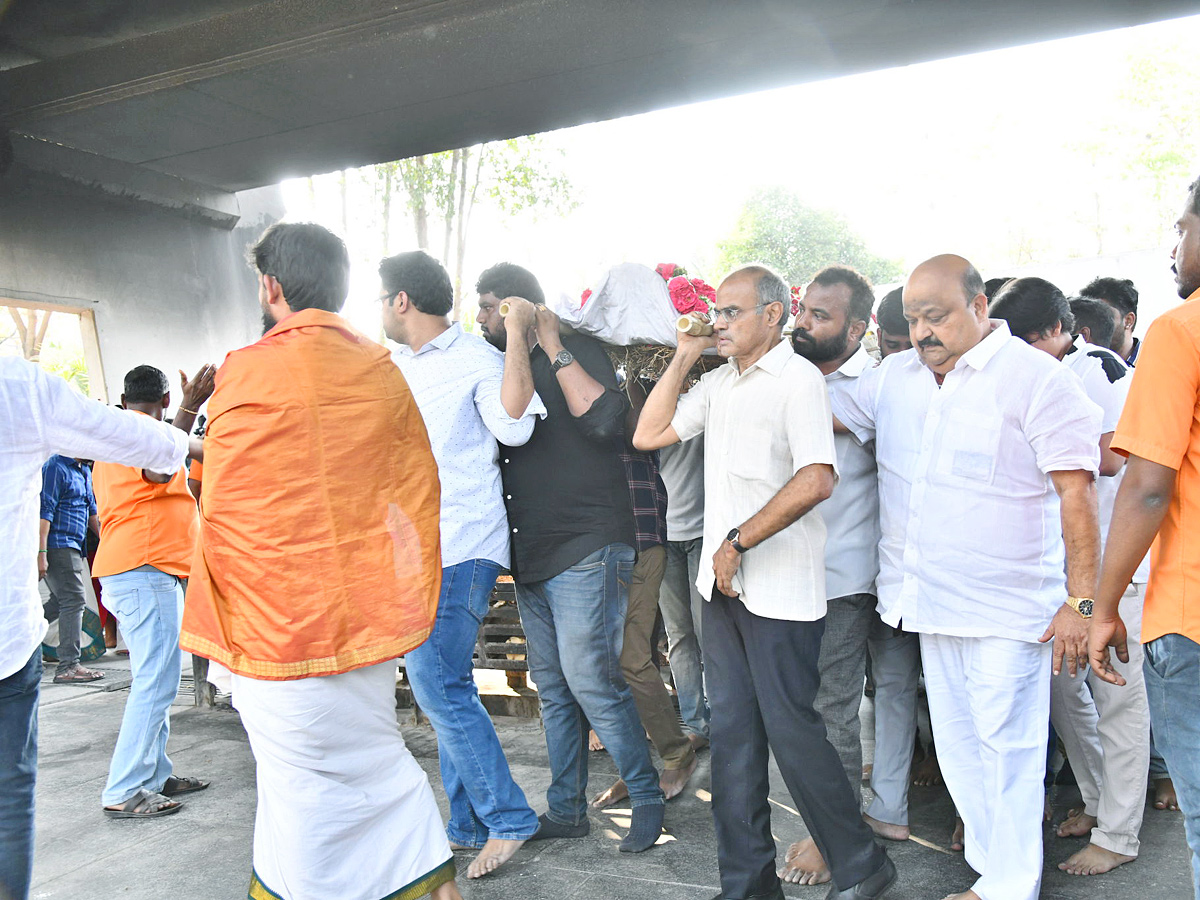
[
  {"x": 972, "y": 536},
  {"x": 760, "y": 428}
]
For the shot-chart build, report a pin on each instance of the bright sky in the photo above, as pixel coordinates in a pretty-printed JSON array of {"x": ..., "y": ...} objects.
[{"x": 899, "y": 152}]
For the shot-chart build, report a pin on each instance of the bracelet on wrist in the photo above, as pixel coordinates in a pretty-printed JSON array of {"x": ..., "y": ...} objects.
[
  {"x": 41, "y": 551},
  {"x": 194, "y": 412}
]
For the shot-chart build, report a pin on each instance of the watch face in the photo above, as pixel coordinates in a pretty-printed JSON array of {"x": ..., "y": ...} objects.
[
  {"x": 1085, "y": 607},
  {"x": 732, "y": 536},
  {"x": 564, "y": 358}
]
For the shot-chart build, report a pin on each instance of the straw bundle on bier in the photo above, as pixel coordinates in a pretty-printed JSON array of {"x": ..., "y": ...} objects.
[{"x": 648, "y": 362}]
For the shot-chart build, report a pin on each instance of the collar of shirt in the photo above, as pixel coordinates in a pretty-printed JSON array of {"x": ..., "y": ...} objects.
[
  {"x": 983, "y": 352},
  {"x": 771, "y": 362},
  {"x": 442, "y": 342},
  {"x": 860, "y": 360},
  {"x": 308, "y": 318}
]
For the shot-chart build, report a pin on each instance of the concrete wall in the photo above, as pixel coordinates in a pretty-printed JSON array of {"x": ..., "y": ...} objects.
[{"x": 166, "y": 289}]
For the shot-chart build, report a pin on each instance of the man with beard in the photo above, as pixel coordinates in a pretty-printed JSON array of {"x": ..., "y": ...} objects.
[
  {"x": 988, "y": 452},
  {"x": 769, "y": 461},
  {"x": 1160, "y": 495},
  {"x": 318, "y": 563},
  {"x": 572, "y": 560},
  {"x": 1122, "y": 298},
  {"x": 828, "y": 331}
]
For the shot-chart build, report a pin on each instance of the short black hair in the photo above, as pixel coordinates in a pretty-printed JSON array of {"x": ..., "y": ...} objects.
[
  {"x": 1118, "y": 292},
  {"x": 309, "y": 262},
  {"x": 1193, "y": 200},
  {"x": 145, "y": 384},
  {"x": 1032, "y": 306},
  {"x": 862, "y": 295},
  {"x": 422, "y": 277},
  {"x": 890, "y": 314},
  {"x": 1097, "y": 317},
  {"x": 992, "y": 286},
  {"x": 510, "y": 280}
]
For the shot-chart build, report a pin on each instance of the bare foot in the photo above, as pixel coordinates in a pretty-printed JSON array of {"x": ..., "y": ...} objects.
[
  {"x": 1164, "y": 794},
  {"x": 594, "y": 742},
  {"x": 1077, "y": 824},
  {"x": 887, "y": 830},
  {"x": 447, "y": 891},
  {"x": 956, "y": 841},
  {"x": 965, "y": 895},
  {"x": 927, "y": 772},
  {"x": 494, "y": 854},
  {"x": 698, "y": 741},
  {"x": 1047, "y": 809},
  {"x": 1093, "y": 860},
  {"x": 673, "y": 780},
  {"x": 614, "y": 794},
  {"x": 803, "y": 864}
]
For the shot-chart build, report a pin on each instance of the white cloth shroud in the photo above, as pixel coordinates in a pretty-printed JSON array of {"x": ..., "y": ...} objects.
[{"x": 629, "y": 305}]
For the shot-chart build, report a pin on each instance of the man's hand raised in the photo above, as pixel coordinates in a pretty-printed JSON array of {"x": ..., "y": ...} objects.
[
  {"x": 1069, "y": 631},
  {"x": 199, "y": 387},
  {"x": 520, "y": 316}
]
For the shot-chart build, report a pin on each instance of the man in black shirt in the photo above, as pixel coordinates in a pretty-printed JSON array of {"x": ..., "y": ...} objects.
[{"x": 572, "y": 558}]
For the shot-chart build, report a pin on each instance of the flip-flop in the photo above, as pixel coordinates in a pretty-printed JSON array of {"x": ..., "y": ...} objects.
[
  {"x": 144, "y": 805},
  {"x": 182, "y": 785}
]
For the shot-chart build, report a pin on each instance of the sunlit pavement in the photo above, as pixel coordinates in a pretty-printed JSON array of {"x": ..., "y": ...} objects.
[{"x": 203, "y": 852}]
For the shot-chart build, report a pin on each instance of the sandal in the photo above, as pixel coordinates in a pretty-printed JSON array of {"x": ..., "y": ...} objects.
[
  {"x": 144, "y": 805},
  {"x": 182, "y": 785},
  {"x": 77, "y": 674}
]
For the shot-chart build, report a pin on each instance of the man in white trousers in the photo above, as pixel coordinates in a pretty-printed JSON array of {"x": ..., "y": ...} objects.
[{"x": 987, "y": 453}]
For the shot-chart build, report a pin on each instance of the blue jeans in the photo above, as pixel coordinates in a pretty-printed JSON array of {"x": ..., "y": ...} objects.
[
  {"x": 681, "y": 603},
  {"x": 1172, "y": 668},
  {"x": 18, "y": 773},
  {"x": 574, "y": 624},
  {"x": 148, "y": 604},
  {"x": 485, "y": 802}
]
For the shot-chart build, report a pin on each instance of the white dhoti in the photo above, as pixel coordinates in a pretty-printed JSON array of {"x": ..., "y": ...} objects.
[
  {"x": 1106, "y": 732},
  {"x": 989, "y": 702},
  {"x": 344, "y": 811}
]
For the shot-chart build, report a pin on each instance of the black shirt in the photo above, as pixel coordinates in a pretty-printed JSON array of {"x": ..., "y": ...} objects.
[{"x": 565, "y": 489}]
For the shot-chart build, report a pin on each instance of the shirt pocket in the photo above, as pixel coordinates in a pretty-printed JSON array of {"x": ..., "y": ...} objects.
[
  {"x": 969, "y": 448},
  {"x": 753, "y": 454}
]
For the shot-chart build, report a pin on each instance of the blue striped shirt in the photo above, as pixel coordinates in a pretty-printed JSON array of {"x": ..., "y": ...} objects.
[{"x": 67, "y": 501}]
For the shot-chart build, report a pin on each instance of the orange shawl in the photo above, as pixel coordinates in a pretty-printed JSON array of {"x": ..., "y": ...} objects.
[{"x": 318, "y": 547}]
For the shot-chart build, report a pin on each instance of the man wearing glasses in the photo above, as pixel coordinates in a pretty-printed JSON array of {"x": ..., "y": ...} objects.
[{"x": 769, "y": 460}]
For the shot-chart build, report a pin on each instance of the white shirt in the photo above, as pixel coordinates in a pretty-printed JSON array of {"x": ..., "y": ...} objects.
[
  {"x": 851, "y": 514},
  {"x": 41, "y": 415},
  {"x": 1107, "y": 385},
  {"x": 760, "y": 428},
  {"x": 972, "y": 534},
  {"x": 455, "y": 379},
  {"x": 682, "y": 469}
]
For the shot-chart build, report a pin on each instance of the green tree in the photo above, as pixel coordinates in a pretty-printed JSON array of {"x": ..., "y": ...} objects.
[
  {"x": 776, "y": 227},
  {"x": 443, "y": 189}
]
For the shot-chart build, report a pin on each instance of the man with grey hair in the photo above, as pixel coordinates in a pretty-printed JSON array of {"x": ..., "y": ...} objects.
[{"x": 769, "y": 460}]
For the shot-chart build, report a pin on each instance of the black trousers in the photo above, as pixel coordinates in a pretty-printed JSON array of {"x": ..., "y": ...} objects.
[{"x": 762, "y": 679}]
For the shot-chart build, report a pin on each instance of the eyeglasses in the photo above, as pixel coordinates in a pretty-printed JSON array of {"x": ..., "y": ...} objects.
[
  {"x": 384, "y": 298},
  {"x": 729, "y": 313}
]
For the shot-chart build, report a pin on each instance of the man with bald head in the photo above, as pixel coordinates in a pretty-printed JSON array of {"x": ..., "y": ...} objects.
[
  {"x": 769, "y": 461},
  {"x": 988, "y": 452}
]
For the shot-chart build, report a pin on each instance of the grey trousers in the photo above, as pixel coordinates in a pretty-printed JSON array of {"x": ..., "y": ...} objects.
[
  {"x": 852, "y": 630},
  {"x": 681, "y": 604},
  {"x": 64, "y": 578}
]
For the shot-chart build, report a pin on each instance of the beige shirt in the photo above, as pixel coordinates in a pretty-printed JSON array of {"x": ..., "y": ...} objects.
[{"x": 760, "y": 428}]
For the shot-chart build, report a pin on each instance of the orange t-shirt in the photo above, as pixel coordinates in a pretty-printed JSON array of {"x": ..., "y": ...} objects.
[
  {"x": 143, "y": 524},
  {"x": 1161, "y": 423},
  {"x": 318, "y": 549}
]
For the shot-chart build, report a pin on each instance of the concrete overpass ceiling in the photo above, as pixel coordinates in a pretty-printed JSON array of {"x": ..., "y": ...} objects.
[{"x": 234, "y": 94}]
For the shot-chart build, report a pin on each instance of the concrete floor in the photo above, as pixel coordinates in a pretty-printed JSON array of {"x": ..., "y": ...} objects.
[{"x": 203, "y": 852}]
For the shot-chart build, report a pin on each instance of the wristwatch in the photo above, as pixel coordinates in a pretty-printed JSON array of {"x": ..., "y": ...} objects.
[
  {"x": 1081, "y": 605},
  {"x": 562, "y": 359},
  {"x": 732, "y": 537}
]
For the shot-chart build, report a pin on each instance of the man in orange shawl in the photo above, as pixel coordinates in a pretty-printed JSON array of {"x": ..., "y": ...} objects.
[{"x": 317, "y": 564}]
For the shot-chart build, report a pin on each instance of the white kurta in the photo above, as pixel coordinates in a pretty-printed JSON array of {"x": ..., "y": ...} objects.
[{"x": 343, "y": 808}]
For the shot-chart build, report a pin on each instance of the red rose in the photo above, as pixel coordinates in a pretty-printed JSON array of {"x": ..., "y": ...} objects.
[
  {"x": 584, "y": 298},
  {"x": 669, "y": 270},
  {"x": 683, "y": 295},
  {"x": 795, "y": 300},
  {"x": 706, "y": 294}
]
